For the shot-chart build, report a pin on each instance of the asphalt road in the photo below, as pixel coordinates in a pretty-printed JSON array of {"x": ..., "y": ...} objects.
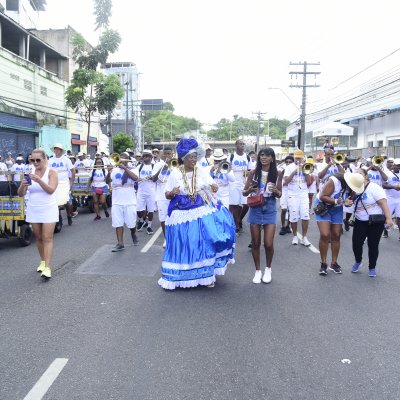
[{"x": 120, "y": 336}]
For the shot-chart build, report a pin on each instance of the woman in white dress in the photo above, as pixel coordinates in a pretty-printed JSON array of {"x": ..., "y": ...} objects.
[{"x": 42, "y": 210}]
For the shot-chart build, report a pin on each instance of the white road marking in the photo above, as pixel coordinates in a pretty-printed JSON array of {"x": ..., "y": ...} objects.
[
  {"x": 311, "y": 247},
  {"x": 150, "y": 243},
  {"x": 46, "y": 380}
]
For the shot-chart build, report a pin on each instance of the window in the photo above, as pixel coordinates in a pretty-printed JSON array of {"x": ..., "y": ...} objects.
[
  {"x": 15, "y": 77},
  {"x": 380, "y": 143},
  {"x": 12, "y": 5},
  {"x": 370, "y": 144},
  {"x": 28, "y": 85},
  {"x": 43, "y": 90}
]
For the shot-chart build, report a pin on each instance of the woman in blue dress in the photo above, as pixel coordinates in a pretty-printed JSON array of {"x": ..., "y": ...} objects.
[
  {"x": 266, "y": 180},
  {"x": 200, "y": 233}
]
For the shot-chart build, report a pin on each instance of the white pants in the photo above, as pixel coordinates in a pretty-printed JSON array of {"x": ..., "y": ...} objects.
[
  {"x": 394, "y": 206},
  {"x": 162, "y": 206},
  {"x": 298, "y": 207},
  {"x": 235, "y": 196},
  {"x": 146, "y": 201},
  {"x": 121, "y": 215}
]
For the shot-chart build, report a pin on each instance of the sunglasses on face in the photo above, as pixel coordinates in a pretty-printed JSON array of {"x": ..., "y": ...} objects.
[{"x": 36, "y": 160}]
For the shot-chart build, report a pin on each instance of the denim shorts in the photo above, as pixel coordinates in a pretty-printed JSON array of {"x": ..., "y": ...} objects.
[
  {"x": 334, "y": 215},
  {"x": 265, "y": 214}
]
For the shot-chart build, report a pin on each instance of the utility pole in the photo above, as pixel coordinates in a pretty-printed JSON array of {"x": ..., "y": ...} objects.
[
  {"x": 126, "y": 106},
  {"x": 305, "y": 73},
  {"x": 259, "y": 119}
]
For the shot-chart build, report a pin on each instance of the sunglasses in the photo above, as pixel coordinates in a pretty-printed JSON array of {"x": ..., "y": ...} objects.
[{"x": 36, "y": 160}]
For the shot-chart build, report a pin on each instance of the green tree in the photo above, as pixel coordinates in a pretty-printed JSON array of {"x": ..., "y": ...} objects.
[
  {"x": 121, "y": 141},
  {"x": 91, "y": 91}
]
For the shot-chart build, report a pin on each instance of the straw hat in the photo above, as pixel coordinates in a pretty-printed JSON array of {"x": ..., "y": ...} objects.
[
  {"x": 298, "y": 154},
  {"x": 219, "y": 155},
  {"x": 396, "y": 161},
  {"x": 147, "y": 151},
  {"x": 59, "y": 146},
  {"x": 355, "y": 182}
]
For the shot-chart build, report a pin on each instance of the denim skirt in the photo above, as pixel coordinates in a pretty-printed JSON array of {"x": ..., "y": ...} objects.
[{"x": 265, "y": 214}]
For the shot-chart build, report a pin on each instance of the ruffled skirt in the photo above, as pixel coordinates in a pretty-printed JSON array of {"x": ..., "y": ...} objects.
[{"x": 200, "y": 245}]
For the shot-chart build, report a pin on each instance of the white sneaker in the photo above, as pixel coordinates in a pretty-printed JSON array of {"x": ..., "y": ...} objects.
[
  {"x": 295, "y": 240},
  {"x": 267, "y": 276},
  {"x": 257, "y": 277},
  {"x": 305, "y": 242}
]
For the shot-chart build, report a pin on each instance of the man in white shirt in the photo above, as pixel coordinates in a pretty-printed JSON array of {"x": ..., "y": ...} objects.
[
  {"x": 392, "y": 189},
  {"x": 161, "y": 172},
  {"x": 239, "y": 161},
  {"x": 3, "y": 170},
  {"x": 123, "y": 211},
  {"x": 156, "y": 155},
  {"x": 17, "y": 169},
  {"x": 146, "y": 192},
  {"x": 207, "y": 160},
  {"x": 66, "y": 177},
  {"x": 298, "y": 202},
  {"x": 81, "y": 162}
]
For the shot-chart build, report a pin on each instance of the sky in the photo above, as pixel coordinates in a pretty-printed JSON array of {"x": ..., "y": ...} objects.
[{"x": 213, "y": 59}]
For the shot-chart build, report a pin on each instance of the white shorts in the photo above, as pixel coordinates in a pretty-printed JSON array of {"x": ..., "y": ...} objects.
[
  {"x": 146, "y": 201},
  {"x": 298, "y": 208},
  {"x": 236, "y": 197},
  {"x": 283, "y": 200},
  {"x": 394, "y": 206},
  {"x": 162, "y": 206},
  {"x": 121, "y": 215},
  {"x": 62, "y": 193}
]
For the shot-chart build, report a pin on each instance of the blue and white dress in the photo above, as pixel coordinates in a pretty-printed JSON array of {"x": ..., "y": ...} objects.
[{"x": 200, "y": 234}]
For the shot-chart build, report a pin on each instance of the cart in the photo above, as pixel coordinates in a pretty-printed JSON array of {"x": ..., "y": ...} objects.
[
  {"x": 80, "y": 197},
  {"x": 12, "y": 220}
]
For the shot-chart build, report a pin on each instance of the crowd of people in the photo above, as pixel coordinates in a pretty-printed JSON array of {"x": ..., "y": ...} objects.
[{"x": 205, "y": 194}]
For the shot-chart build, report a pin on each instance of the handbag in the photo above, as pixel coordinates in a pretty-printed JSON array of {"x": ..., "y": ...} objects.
[
  {"x": 255, "y": 200},
  {"x": 376, "y": 219},
  {"x": 98, "y": 191},
  {"x": 322, "y": 208}
]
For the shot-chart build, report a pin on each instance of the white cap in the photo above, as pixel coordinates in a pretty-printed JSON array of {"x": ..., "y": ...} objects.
[{"x": 396, "y": 161}]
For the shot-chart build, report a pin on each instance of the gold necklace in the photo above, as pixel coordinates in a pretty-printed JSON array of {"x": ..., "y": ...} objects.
[{"x": 190, "y": 192}]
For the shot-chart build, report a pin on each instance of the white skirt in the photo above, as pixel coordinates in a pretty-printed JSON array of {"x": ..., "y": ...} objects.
[{"x": 42, "y": 213}]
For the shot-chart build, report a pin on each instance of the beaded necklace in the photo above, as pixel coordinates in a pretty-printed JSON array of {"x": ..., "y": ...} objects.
[{"x": 190, "y": 192}]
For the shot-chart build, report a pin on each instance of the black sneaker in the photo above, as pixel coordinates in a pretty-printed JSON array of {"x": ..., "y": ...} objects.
[
  {"x": 135, "y": 239},
  {"x": 323, "y": 269},
  {"x": 283, "y": 231},
  {"x": 288, "y": 230},
  {"x": 385, "y": 233},
  {"x": 118, "y": 247},
  {"x": 149, "y": 231},
  {"x": 69, "y": 220},
  {"x": 346, "y": 225},
  {"x": 351, "y": 222},
  {"x": 145, "y": 224},
  {"x": 336, "y": 268},
  {"x": 139, "y": 225}
]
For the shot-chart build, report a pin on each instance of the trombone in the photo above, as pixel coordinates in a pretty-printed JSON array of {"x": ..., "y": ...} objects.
[
  {"x": 339, "y": 158},
  {"x": 307, "y": 168},
  {"x": 173, "y": 163},
  {"x": 377, "y": 161}
]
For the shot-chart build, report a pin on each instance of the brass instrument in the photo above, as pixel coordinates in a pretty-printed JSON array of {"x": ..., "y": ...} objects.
[
  {"x": 377, "y": 161},
  {"x": 339, "y": 158},
  {"x": 115, "y": 159},
  {"x": 224, "y": 167},
  {"x": 173, "y": 163},
  {"x": 307, "y": 168}
]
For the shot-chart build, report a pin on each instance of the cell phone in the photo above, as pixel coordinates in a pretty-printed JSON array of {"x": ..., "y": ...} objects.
[{"x": 28, "y": 179}]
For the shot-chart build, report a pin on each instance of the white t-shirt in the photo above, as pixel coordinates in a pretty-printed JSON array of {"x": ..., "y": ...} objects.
[
  {"x": 375, "y": 177},
  {"x": 146, "y": 185},
  {"x": 331, "y": 170},
  {"x": 298, "y": 185},
  {"x": 204, "y": 162},
  {"x": 395, "y": 181},
  {"x": 239, "y": 166},
  {"x": 106, "y": 161},
  {"x": 161, "y": 181},
  {"x": 62, "y": 165},
  {"x": 122, "y": 195},
  {"x": 3, "y": 167},
  {"x": 223, "y": 181},
  {"x": 369, "y": 198},
  {"x": 337, "y": 190},
  {"x": 82, "y": 164},
  {"x": 203, "y": 180},
  {"x": 20, "y": 168},
  {"x": 99, "y": 178}
]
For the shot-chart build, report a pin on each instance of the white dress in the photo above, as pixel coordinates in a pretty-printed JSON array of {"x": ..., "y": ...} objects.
[{"x": 42, "y": 206}]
